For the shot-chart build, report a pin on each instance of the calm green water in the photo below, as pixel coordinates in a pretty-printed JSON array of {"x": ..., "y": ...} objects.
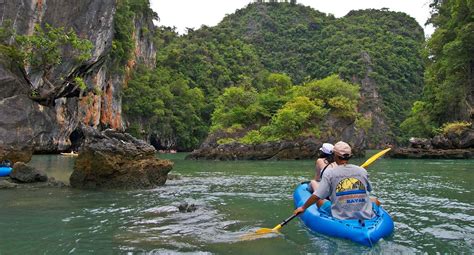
[{"x": 431, "y": 201}]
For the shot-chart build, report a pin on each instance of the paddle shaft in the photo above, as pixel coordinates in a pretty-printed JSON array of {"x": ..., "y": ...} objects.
[{"x": 283, "y": 223}]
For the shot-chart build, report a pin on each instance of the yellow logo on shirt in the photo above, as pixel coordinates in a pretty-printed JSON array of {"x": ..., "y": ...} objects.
[{"x": 349, "y": 184}]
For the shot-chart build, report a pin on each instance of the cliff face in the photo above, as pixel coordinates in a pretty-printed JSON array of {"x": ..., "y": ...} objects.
[
  {"x": 47, "y": 127},
  {"x": 370, "y": 106}
]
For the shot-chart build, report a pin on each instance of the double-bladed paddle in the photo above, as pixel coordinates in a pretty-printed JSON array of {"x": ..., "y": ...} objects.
[{"x": 283, "y": 223}]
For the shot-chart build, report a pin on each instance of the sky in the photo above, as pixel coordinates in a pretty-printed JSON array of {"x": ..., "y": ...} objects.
[{"x": 184, "y": 14}]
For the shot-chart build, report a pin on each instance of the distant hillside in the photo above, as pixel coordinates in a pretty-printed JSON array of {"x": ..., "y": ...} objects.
[
  {"x": 377, "y": 49},
  {"x": 307, "y": 44}
]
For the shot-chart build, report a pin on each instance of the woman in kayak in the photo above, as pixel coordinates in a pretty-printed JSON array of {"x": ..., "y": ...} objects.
[{"x": 325, "y": 160}]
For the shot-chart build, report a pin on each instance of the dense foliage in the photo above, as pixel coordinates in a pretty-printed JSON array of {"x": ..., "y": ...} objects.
[
  {"x": 276, "y": 114},
  {"x": 213, "y": 60},
  {"x": 287, "y": 38},
  {"x": 160, "y": 104},
  {"x": 449, "y": 80},
  {"x": 384, "y": 46},
  {"x": 246, "y": 67}
]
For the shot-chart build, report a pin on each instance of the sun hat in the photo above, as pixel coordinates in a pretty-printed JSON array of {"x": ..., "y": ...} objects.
[
  {"x": 327, "y": 148},
  {"x": 342, "y": 149}
]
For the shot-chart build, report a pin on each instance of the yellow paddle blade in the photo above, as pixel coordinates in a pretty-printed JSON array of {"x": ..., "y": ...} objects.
[
  {"x": 263, "y": 231},
  {"x": 259, "y": 232},
  {"x": 374, "y": 157}
]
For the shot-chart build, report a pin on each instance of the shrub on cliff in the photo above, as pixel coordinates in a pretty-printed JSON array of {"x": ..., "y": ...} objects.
[
  {"x": 339, "y": 96},
  {"x": 284, "y": 115},
  {"x": 297, "y": 118},
  {"x": 41, "y": 52},
  {"x": 455, "y": 127}
]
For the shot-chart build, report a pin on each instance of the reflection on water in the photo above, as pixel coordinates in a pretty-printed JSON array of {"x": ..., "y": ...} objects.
[
  {"x": 431, "y": 203},
  {"x": 57, "y": 166}
]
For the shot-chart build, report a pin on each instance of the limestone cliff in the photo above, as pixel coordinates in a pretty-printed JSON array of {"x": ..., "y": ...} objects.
[{"x": 28, "y": 125}]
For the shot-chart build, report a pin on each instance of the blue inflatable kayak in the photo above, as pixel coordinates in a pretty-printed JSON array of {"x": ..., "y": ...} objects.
[
  {"x": 5, "y": 171},
  {"x": 368, "y": 232}
]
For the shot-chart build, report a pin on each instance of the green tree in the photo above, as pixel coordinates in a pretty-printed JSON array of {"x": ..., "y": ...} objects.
[
  {"x": 447, "y": 95},
  {"x": 236, "y": 106},
  {"x": 41, "y": 52},
  {"x": 297, "y": 118},
  {"x": 163, "y": 109}
]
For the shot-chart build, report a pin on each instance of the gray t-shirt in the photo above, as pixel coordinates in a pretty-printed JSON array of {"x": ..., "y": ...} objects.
[{"x": 348, "y": 188}]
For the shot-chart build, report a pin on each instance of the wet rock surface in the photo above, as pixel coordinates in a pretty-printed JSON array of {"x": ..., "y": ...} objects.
[
  {"x": 185, "y": 207},
  {"x": 114, "y": 160},
  {"x": 10, "y": 183},
  {"x": 446, "y": 146},
  {"x": 417, "y": 153},
  {"x": 27, "y": 174},
  {"x": 282, "y": 150}
]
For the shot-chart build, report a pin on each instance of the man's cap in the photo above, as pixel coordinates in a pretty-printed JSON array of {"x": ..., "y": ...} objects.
[
  {"x": 327, "y": 148},
  {"x": 342, "y": 149}
]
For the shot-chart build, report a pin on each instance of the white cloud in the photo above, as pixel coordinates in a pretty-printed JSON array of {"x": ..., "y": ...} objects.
[{"x": 193, "y": 14}]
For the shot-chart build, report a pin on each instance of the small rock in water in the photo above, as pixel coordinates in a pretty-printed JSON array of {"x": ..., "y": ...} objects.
[
  {"x": 174, "y": 177},
  {"x": 23, "y": 173},
  {"x": 187, "y": 207}
]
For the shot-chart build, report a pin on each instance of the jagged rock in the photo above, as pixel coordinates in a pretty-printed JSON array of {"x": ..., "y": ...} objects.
[
  {"x": 441, "y": 142},
  {"x": 18, "y": 154},
  {"x": 300, "y": 149},
  {"x": 185, "y": 207},
  {"x": 466, "y": 139},
  {"x": 174, "y": 177},
  {"x": 421, "y": 143},
  {"x": 114, "y": 160},
  {"x": 454, "y": 140},
  {"x": 27, "y": 174},
  {"x": 453, "y": 145},
  {"x": 417, "y": 153},
  {"x": 11, "y": 80}
]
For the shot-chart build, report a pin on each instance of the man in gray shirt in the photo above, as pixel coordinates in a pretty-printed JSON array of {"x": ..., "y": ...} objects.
[{"x": 346, "y": 185}]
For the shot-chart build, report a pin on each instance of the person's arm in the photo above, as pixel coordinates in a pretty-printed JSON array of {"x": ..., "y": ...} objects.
[
  {"x": 322, "y": 191},
  {"x": 316, "y": 170},
  {"x": 311, "y": 200},
  {"x": 319, "y": 165}
]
